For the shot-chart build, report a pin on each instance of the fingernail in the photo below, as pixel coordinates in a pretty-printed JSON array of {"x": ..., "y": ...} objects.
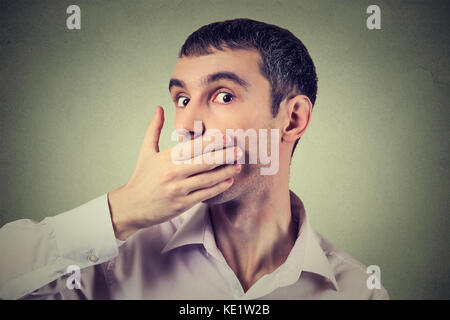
[{"x": 237, "y": 167}]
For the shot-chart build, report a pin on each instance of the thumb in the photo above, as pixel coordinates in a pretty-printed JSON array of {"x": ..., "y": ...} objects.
[{"x": 154, "y": 130}]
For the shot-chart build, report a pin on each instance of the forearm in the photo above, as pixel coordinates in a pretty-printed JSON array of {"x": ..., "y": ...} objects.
[
  {"x": 122, "y": 211},
  {"x": 35, "y": 254}
]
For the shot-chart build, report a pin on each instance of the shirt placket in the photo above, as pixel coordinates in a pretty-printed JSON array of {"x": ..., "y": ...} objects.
[{"x": 236, "y": 290}]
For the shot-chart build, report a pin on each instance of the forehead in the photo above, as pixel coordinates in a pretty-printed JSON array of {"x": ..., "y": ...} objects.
[{"x": 243, "y": 62}]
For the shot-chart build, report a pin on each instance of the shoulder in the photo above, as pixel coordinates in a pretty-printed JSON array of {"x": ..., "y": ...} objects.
[{"x": 351, "y": 275}]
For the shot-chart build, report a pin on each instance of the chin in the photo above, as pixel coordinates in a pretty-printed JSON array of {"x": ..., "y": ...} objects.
[
  {"x": 248, "y": 181},
  {"x": 228, "y": 195}
]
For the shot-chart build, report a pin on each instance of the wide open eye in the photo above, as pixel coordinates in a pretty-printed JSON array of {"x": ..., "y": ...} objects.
[
  {"x": 224, "y": 98},
  {"x": 182, "y": 101}
]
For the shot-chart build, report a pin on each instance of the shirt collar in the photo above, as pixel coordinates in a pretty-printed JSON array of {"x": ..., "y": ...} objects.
[
  {"x": 315, "y": 260},
  {"x": 191, "y": 230},
  {"x": 306, "y": 255}
]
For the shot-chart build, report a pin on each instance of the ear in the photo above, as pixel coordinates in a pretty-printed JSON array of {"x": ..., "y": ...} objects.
[{"x": 299, "y": 109}]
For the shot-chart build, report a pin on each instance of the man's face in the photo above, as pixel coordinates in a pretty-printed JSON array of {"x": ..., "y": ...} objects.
[{"x": 224, "y": 90}]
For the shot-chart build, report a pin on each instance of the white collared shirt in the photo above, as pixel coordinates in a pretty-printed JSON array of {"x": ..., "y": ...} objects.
[{"x": 178, "y": 259}]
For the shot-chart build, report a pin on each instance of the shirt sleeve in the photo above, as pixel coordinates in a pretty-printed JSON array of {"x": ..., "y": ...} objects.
[{"x": 36, "y": 254}]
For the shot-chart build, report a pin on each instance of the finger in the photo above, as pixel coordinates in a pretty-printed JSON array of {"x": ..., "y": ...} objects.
[
  {"x": 207, "y": 193},
  {"x": 208, "y": 161},
  {"x": 153, "y": 131},
  {"x": 203, "y": 144},
  {"x": 211, "y": 178}
]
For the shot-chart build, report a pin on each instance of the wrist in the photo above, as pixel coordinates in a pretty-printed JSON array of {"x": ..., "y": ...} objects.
[{"x": 121, "y": 211}]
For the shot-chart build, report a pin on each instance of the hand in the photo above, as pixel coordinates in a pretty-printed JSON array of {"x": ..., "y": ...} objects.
[{"x": 161, "y": 189}]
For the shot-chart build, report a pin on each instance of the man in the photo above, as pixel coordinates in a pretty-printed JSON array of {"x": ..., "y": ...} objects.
[{"x": 198, "y": 230}]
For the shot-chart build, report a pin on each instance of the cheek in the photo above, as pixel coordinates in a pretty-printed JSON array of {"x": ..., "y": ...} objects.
[
  {"x": 243, "y": 116},
  {"x": 229, "y": 120}
]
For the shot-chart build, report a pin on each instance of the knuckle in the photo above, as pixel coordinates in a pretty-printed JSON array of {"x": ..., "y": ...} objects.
[
  {"x": 209, "y": 193},
  {"x": 169, "y": 175},
  {"x": 175, "y": 189},
  {"x": 205, "y": 180},
  {"x": 179, "y": 206}
]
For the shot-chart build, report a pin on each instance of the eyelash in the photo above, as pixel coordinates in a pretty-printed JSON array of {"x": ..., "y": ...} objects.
[{"x": 178, "y": 96}]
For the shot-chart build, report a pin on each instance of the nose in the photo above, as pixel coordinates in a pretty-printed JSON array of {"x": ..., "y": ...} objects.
[{"x": 190, "y": 119}]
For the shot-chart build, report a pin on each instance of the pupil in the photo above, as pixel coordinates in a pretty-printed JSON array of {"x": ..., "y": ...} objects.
[{"x": 227, "y": 98}]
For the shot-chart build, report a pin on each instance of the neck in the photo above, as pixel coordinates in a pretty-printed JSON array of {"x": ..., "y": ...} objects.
[{"x": 255, "y": 232}]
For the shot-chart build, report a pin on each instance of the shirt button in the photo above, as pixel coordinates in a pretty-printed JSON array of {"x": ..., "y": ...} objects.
[{"x": 92, "y": 257}]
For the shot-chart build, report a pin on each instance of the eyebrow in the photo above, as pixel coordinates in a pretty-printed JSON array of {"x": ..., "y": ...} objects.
[{"x": 221, "y": 75}]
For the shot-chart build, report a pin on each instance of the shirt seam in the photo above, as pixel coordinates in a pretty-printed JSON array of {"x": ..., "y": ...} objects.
[
  {"x": 109, "y": 269},
  {"x": 382, "y": 292},
  {"x": 55, "y": 260},
  {"x": 349, "y": 261}
]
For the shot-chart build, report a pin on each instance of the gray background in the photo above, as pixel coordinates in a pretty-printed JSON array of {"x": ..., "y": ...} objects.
[{"x": 372, "y": 168}]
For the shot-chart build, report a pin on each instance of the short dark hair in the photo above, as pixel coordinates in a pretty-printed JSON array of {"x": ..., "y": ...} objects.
[{"x": 285, "y": 63}]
